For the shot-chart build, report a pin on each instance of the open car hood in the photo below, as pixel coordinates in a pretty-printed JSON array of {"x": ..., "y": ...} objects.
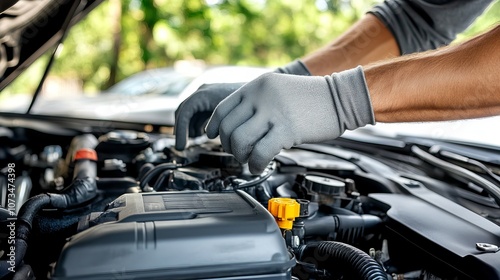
[{"x": 29, "y": 28}]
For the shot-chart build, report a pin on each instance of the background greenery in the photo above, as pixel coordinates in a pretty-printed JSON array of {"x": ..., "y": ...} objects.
[{"x": 120, "y": 38}]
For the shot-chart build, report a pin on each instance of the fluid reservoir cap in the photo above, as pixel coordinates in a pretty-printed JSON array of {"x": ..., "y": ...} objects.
[
  {"x": 324, "y": 185},
  {"x": 284, "y": 210},
  {"x": 85, "y": 153}
]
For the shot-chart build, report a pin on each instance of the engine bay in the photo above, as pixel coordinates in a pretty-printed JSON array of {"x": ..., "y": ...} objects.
[{"x": 126, "y": 205}]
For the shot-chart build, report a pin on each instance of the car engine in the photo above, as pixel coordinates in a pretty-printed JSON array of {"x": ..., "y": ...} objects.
[{"x": 126, "y": 205}]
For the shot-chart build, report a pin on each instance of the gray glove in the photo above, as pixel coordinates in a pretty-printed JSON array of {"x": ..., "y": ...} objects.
[
  {"x": 192, "y": 115},
  {"x": 276, "y": 111}
]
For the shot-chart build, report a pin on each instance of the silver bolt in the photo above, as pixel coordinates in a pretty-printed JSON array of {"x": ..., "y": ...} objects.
[
  {"x": 486, "y": 247},
  {"x": 295, "y": 241},
  {"x": 372, "y": 252}
]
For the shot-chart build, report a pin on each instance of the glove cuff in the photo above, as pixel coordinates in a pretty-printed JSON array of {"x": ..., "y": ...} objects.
[
  {"x": 351, "y": 98},
  {"x": 296, "y": 67}
]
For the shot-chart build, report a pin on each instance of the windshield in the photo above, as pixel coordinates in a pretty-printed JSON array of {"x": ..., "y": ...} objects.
[
  {"x": 138, "y": 60},
  {"x": 157, "y": 81}
]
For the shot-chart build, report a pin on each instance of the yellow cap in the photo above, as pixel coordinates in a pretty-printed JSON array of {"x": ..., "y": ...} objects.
[{"x": 284, "y": 210}]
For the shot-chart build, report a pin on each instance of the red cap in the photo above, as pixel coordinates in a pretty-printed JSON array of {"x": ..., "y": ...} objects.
[{"x": 85, "y": 153}]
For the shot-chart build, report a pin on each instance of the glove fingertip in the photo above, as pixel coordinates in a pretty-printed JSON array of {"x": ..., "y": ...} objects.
[
  {"x": 180, "y": 139},
  {"x": 256, "y": 169},
  {"x": 182, "y": 120},
  {"x": 241, "y": 158},
  {"x": 212, "y": 129},
  {"x": 180, "y": 145},
  {"x": 212, "y": 135},
  {"x": 257, "y": 163}
]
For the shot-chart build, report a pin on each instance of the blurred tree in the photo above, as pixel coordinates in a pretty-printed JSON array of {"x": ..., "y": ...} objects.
[
  {"x": 150, "y": 18},
  {"x": 87, "y": 50},
  {"x": 156, "y": 33},
  {"x": 237, "y": 32}
]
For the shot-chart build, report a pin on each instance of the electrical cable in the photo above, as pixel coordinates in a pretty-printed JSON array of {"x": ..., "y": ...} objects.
[
  {"x": 155, "y": 171},
  {"x": 271, "y": 168}
]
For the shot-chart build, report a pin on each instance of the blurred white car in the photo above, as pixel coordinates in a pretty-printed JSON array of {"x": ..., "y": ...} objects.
[{"x": 151, "y": 96}]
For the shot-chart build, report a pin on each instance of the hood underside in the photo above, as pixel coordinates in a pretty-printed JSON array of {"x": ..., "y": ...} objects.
[{"x": 29, "y": 28}]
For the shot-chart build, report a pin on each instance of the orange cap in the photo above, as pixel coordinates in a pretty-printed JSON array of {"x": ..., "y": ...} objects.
[
  {"x": 284, "y": 210},
  {"x": 85, "y": 153}
]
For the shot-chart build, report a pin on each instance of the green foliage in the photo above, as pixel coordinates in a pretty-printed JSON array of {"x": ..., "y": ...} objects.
[
  {"x": 156, "y": 33},
  {"x": 26, "y": 83},
  {"x": 86, "y": 52}
]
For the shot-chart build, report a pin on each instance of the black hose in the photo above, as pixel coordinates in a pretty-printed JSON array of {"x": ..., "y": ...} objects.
[
  {"x": 342, "y": 258},
  {"x": 155, "y": 171},
  {"x": 168, "y": 175},
  {"x": 349, "y": 228},
  {"x": 119, "y": 185},
  {"x": 143, "y": 170},
  {"x": 10, "y": 265},
  {"x": 23, "y": 228},
  {"x": 82, "y": 190},
  {"x": 30, "y": 208},
  {"x": 321, "y": 226}
]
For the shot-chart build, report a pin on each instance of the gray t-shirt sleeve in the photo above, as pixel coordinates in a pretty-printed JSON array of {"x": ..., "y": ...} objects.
[{"x": 420, "y": 25}]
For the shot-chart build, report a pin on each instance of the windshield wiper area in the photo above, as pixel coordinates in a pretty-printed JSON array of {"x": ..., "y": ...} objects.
[
  {"x": 469, "y": 163},
  {"x": 488, "y": 186}
]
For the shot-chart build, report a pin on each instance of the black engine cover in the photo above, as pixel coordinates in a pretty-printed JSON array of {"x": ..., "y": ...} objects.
[{"x": 179, "y": 235}]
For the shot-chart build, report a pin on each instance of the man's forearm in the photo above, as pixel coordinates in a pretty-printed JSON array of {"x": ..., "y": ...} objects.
[
  {"x": 366, "y": 41},
  {"x": 454, "y": 82}
]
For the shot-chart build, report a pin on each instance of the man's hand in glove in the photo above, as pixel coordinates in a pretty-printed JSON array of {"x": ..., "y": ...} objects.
[
  {"x": 277, "y": 111},
  {"x": 192, "y": 115}
]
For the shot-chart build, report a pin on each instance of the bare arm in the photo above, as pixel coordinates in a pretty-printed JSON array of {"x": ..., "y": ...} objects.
[
  {"x": 454, "y": 82},
  {"x": 366, "y": 41},
  {"x": 395, "y": 27}
]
